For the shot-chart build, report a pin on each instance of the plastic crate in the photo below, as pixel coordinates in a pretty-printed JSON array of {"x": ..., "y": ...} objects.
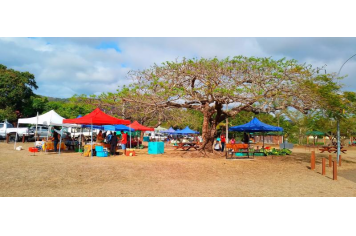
[
  {"x": 99, "y": 148},
  {"x": 101, "y": 154}
]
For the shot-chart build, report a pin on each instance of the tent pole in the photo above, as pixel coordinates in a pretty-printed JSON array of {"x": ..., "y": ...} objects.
[
  {"x": 60, "y": 141},
  {"x": 130, "y": 137},
  {"x": 49, "y": 128},
  {"x": 36, "y": 129},
  {"x": 81, "y": 137},
  {"x": 16, "y": 134},
  {"x": 91, "y": 139}
]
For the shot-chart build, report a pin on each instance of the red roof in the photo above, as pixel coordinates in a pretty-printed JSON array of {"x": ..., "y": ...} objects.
[
  {"x": 136, "y": 126},
  {"x": 97, "y": 117}
]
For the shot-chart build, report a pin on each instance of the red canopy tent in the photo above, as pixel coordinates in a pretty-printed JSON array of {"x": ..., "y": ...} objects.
[
  {"x": 137, "y": 126},
  {"x": 96, "y": 117}
]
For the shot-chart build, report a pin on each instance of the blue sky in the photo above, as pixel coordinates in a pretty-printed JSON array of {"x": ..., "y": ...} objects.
[{"x": 67, "y": 66}]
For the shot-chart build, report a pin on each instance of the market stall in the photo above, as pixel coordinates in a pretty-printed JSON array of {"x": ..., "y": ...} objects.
[{"x": 96, "y": 117}]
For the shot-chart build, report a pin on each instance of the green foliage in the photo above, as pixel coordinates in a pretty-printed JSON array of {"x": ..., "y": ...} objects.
[
  {"x": 69, "y": 109},
  {"x": 278, "y": 152},
  {"x": 16, "y": 90},
  {"x": 7, "y": 114}
]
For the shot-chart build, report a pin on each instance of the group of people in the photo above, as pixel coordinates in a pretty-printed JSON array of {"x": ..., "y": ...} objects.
[
  {"x": 219, "y": 143},
  {"x": 112, "y": 139}
]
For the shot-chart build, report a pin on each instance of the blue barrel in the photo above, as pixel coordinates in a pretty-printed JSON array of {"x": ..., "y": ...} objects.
[{"x": 155, "y": 147}]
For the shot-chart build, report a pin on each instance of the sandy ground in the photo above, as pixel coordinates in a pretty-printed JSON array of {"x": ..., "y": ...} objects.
[{"x": 173, "y": 174}]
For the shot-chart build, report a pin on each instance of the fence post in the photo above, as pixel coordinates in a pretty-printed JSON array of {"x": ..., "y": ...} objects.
[
  {"x": 323, "y": 166},
  {"x": 7, "y": 138},
  {"x": 334, "y": 170},
  {"x": 330, "y": 160},
  {"x": 312, "y": 160},
  {"x": 340, "y": 160},
  {"x": 23, "y": 138}
]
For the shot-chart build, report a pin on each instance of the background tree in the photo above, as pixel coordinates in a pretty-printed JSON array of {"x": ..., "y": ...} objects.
[
  {"x": 16, "y": 92},
  {"x": 248, "y": 84}
]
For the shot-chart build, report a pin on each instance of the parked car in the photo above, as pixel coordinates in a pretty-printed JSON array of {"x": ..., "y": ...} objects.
[
  {"x": 42, "y": 132},
  {"x": 7, "y": 128},
  {"x": 76, "y": 132}
]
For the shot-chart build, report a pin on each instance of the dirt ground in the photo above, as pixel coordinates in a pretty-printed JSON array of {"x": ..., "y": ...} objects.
[{"x": 173, "y": 174}]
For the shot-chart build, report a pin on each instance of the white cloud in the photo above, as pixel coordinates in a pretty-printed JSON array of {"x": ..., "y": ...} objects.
[{"x": 67, "y": 66}]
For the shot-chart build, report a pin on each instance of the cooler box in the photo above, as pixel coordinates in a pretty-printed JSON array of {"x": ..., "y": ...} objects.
[
  {"x": 130, "y": 151},
  {"x": 101, "y": 153},
  {"x": 146, "y": 139},
  {"x": 155, "y": 147}
]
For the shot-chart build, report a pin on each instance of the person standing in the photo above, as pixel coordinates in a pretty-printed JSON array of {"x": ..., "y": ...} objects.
[
  {"x": 55, "y": 141},
  {"x": 123, "y": 141},
  {"x": 113, "y": 144},
  {"x": 246, "y": 138},
  {"x": 216, "y": 144},
  {"x": 108, "y": 137},
  {"x": 222, "y": 140}
]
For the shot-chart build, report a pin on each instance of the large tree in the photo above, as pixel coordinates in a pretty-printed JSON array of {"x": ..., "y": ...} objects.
[
  {"x": 242, "y": 83},
  {"x": 15, "y": 91}
]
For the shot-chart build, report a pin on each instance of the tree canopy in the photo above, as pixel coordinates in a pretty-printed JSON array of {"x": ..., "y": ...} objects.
[
  {"x": 16, "y": 89},
  {"x": 258, "y": 85}
]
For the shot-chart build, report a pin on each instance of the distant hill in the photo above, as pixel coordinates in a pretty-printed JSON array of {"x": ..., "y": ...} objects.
[{"x": 51, "y": 99}]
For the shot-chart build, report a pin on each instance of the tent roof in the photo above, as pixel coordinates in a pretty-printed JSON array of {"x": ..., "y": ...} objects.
[
  {"x": 117, "y": 128},
  {"x": 97, "y": 117},
  {"x": 186, "y": 130},
  {"x": 169, "y": 131},
  {"x": 135, "y": 125},
  {"x": 255, "y": 125},
  {"x": 49, "y": 118},
  {"x": 159, "y": 128},
  {"x": 315, "y": 133}
]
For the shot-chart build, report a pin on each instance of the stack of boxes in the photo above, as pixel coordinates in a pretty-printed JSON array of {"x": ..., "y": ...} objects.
[{"x": 100, "y": 151}]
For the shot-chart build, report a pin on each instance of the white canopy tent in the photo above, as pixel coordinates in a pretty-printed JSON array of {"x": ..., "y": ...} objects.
[
  {"x": 50, "y": 118},
  {"x": 159, "y": 129}
]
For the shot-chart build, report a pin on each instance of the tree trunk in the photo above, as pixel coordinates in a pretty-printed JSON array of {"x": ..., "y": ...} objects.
[
  {"x": 208, "y": 138},
  {"x": 209, "y": 126}
]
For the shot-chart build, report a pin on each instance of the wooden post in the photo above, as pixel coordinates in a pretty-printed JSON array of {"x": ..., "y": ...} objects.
[
  {"x": 340, "y": 160},
  {"x": 7, "y": 138},
  {"x": 334, "y": 170},
  {"x": 312, "y": 160},
  {"x": 323, "y": 166},
  {"x": 23, "y": 138},
  {"x": 330, "y": 160}
]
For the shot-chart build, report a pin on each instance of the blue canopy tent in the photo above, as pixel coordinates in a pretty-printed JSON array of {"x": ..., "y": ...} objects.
[
  {"x": 255, "y": 125},
  {"x": 186, "y": 130},
  {"x": 117, "y": 128},
  {"x": 169, "y": 131}
]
